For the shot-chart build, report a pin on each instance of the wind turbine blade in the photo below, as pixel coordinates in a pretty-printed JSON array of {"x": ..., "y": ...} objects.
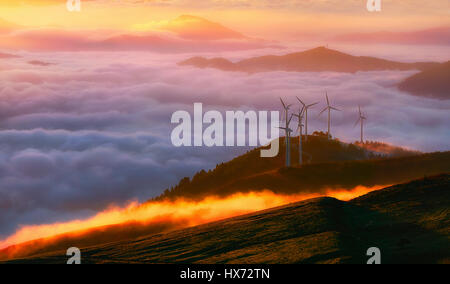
[
  {"x": 311, "y": 105},
  {"x": 323, "y": 111},
  {"x": 301, "y": 101},
  {"x": 359, "y": 108},
  {"x": 356, "y": 123},
  {"x": 328, "y": 101},
  {"x": 284, "y": 105},
  {"x": 290, "y": 118},
  {"x": 335, "y": 109}
]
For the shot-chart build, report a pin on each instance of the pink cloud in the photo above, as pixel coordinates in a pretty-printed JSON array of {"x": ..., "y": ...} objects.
[
  {"x": 434, "y": 36},
  {"x": 59, "y": 40}
]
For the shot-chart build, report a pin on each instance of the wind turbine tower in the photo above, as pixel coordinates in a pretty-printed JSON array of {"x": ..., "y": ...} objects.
[
  {"x": 329, "y": 108},
  {"x": 288, "y": 132},
  {"x": 361, "y": 119},
  {"x": 306, "y": 107},
  {"x": 300, "y": 138}
]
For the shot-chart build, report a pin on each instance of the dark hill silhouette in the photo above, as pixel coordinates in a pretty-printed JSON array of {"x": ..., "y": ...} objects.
[
  {"x": 333, "y": 165},
  {"x": 407, "y": 222},
  {"x": 313, "y": 60},
  {"x": 433, "y": 82}
]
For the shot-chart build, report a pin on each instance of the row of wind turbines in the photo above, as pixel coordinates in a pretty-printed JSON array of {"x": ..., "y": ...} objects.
[{"x": 303, "y": 115}]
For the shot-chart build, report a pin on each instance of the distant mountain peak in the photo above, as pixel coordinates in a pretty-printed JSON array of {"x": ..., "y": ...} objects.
[
  {"x": 320, "y": 49},
  {"x": 198, "y": 28}
]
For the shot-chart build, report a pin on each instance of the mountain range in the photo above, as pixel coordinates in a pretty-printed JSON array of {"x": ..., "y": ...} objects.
[{"x": 319, "y": 59}]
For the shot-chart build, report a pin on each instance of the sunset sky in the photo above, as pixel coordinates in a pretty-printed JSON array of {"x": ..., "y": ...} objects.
[{"x": 256, "y": 18}]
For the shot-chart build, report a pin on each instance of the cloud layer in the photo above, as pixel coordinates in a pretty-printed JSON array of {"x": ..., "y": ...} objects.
[{"x": 94, "y": 128}]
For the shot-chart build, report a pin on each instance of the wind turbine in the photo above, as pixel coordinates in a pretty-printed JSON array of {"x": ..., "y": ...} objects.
[
  {"x": 329, "y": 108},
  {"x": 300, "y": 128},
  {"x": 306, "y": 107},
  {"x": 361, "y": 119},
  {"x": 288, "y": 132}
]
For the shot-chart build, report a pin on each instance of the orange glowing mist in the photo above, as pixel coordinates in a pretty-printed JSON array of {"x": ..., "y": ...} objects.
[{"x": 208, "y": 210}]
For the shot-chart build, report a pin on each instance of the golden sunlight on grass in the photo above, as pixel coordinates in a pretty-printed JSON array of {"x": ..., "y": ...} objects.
[{"x": 208, "y": 210}]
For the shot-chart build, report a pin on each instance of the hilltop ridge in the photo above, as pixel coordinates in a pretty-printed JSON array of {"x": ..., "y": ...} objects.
[
  {"x": 328, "y": 164},
  {"x": 314, "y": 60}
]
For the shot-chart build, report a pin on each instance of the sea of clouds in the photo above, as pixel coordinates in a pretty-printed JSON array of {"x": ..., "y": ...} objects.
[{"x": 93, "y": 129}]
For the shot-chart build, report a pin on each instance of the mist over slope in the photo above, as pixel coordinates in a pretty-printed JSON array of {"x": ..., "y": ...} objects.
[
  {"x": 330, "y": 165},
  {"x": 408, "y": 223}
]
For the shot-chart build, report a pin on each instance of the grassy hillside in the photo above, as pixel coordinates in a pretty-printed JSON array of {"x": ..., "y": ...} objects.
[
  {"x": 333, "y": 165},
  {"x": 408, "y": 222}
]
